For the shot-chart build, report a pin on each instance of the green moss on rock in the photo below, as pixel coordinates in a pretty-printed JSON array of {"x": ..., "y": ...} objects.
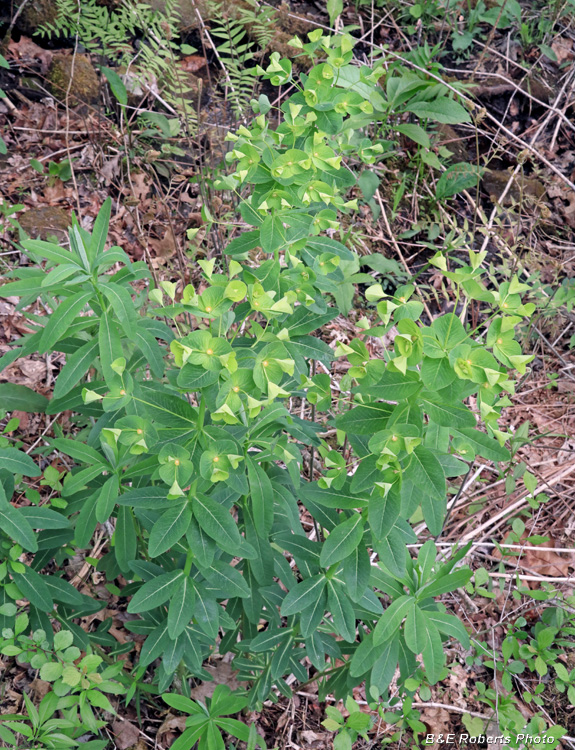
[
  {"x": 85, "y": 86},
  {"x": 36, "y": 13}
]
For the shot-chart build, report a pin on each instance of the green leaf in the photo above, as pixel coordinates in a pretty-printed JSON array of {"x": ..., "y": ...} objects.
[
  {"x": 32, "y": 586},
  {"x": 116, "y": 85},
  {"x": 384, "y": 668},
  {"x": 182, "y": 704},
  {"x": 443, "y": 109},
  {"x": 382, "y": 514},
  {"x": 484, "y": 445},
  {"x": 303, "y": 595},
  {"x": 342, "y": 541},
  {"x": 434, "y": 510},
  {"x": 125, "y": 539},
  {"x": 228, "y": 579},
  {"x": 391, "y": 551},
  {"x": 169, "y": 529},
  {"x": 426, "y": 473},
  {"x": 437, "y": 373},
  {"x": 331, "y": 498},
  {"x": 14, "y": 396},
  {"x": 216, "y": 521},
  {"x": 51, "y": 252},
  {"x": 122, "y": 305},
  {"x": 51, "y": 671},
  {"x": 433, "y": 654},
  {"x": 262, "y": 498},
  {"x": 357, "y": 572},
  {"x": 368, "y": 182},
  {"x": 334, "y": 10},
  {"x": 66, "y": 312},
  {"x": 304, "y": 321},
  {"x": 272, "y": 234},
  {"x": 207, "y": 612},
  {"x": 77, "y": 365},
  {"x": 442, "y": 585},
  {"x": 18, "y": 462},
  {"x": 448, "y": 415},
  {"x": 79, "y": 451},
  {"x": 86, "y": 522},
  {"x": 15, "y": 525},
  {"x": 392, "y": 618},
  {"x": 107, "y": 499},
  {"x": 146, "y": 497},
  {"x": 457, "y": 178},
  {"x": 416, "y": 630},
  {"x": 241, "y": 245},
  {"x": 189, "y": 737},
  {"x": 341, "y": 610},
  {"x": 415, "y": 133},
  {"x": 43, "y": 518},
  {"x": 155, "y": 592},
  {"x": 364, "y": 657},
  {"x": 450, "y": 625},
  {"x": 181, "y": 609},
  {"x": 100, "y": 229},
  {"x": 393, "y": 386},
  {"x": 109, "y": 345},
  {"x": 364, "y": 420}
]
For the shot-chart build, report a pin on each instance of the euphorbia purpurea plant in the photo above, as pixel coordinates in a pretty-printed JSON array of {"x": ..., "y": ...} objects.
[{"x": 187, "y": 451}]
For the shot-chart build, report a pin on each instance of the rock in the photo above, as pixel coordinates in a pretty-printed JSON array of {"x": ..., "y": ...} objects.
[
  {"x": 186, "y": 11},
  {"x": 495, "y": 180},
  {"x": 36, "y": 13},
  {"x": 85, "y": 84},
  {"x": 45, "y": 222}
]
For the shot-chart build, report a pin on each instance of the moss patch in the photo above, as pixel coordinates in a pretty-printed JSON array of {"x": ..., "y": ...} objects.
[{"x": 85, "y": 85}]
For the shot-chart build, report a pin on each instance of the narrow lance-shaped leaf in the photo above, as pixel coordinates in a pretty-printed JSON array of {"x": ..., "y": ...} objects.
[
  {"x": 169, "y": 529},
  {"x": 342, "y": 541},
  {"x": 63, "y": 315}
]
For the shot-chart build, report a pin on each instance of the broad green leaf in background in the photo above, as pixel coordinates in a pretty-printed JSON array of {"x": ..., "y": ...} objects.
[
  {"x": 444, "y": 110},
  {"x": 22, "y": 398},
  {"x": 18, "y": 462},
  {"x": 116, "y": 85}
]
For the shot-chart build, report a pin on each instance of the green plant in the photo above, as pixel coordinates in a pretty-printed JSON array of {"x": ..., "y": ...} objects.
[
  {"x": 235, "y": 51},
  {"x": 109, "y": 32},
  {"x": 348, "y": 730},
  {"x": 207, "y": 721},
  {"x": 79, "y": 685},
  {"x": 512, "y": 723},
  {"x": 42, "y": 729},
  {"x": 190, "y": 455}
]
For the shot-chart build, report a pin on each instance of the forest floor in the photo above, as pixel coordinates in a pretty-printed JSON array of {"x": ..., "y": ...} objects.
[{"x": 68, "y": 150}]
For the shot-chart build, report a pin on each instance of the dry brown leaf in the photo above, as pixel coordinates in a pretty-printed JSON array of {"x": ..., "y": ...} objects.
[
  {"x": 27, "y": 51},
  {"x": 166, "y": 247},
  {"x": 126, "y": 734},
  {"x": 436, "y": 720},
  {"x": 193, "y": 63},
  {"x": 563, "y": 48},
  {"x": 547, "y": 563},
  {"x": 28, "y": 372},
  {"x": 542, "y": 561},
  {"x": 310, "y": 739},
  {"x": 110, "y": 169},
  {"x": 172, "y": 722},
  {"x": 222, "y": 674}
]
